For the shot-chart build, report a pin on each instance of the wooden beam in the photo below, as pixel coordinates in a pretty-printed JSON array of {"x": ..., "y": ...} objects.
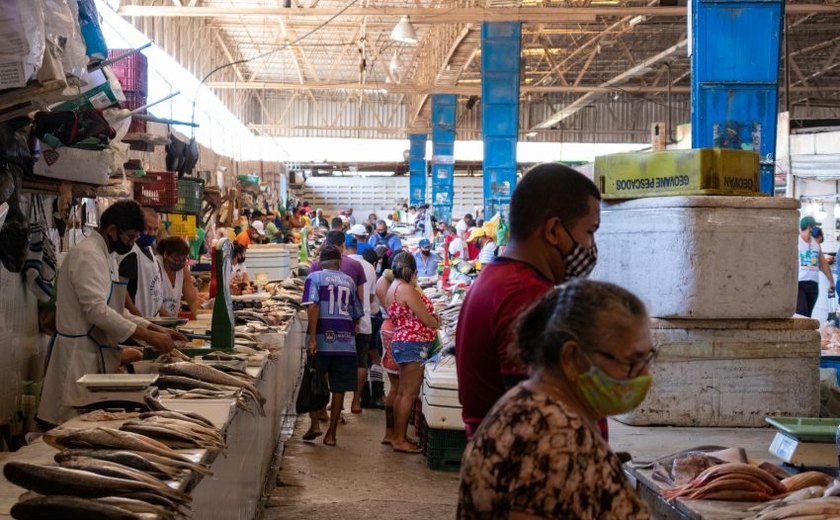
[{"x": 426, "y": 15}]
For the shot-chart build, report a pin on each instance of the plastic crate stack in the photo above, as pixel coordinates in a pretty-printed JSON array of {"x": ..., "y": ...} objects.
[{"x": 133, "y": 73}]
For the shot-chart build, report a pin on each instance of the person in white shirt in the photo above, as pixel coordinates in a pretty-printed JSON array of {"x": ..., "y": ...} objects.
[
  {"x": 364, "y": 334},
  {"x": 464, "y": 225},
  {"x": 485, "y": 244},
  {"x": 811, "y": 262}
]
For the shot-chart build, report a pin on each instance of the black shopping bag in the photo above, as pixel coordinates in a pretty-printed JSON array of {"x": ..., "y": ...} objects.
[
  {"x": 314, "y": 394},
  {"x": 833, "y": 318}
]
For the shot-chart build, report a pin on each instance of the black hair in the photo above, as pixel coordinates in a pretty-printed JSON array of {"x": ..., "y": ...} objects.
[
  {"x": 173, "y": 246},
  {"x": 412, "y": 207},
  {"x": 239, "y": 249},
  {"x": 549, "y": 190},
  {"x": 256, "y": 214},
  {"x": 127, "y": 215},
  {"x": 404, "y": 266},
  {"x": 571, "y": 311},
  {"x": 368, "y": 228},
  {"x": 370, "y": 256},
  {"x": 336, "y": 223},
  {"x": 334, "y": 238},
  {"x": 330, "y": 253}
]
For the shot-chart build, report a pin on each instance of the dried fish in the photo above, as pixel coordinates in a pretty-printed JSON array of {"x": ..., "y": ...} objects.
[
  {"x": 127, "y": 458},
  {"x": 212, "y": 375},
  {"x": 105, "y": 415},
  {"x": 807, "y": 479},
  {"x": 112, "y": 469},
  {"x": 69, "y": 508},
  {"x": 720, "y": 483},
  {"x": 183, "y": 416},
  {"x": 100, "y": 437},
  {"x": 139, "y": 507}
]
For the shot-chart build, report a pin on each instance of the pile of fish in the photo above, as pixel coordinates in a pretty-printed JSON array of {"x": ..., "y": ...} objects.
[
  {"x": 818, "y": 499},
  {"x": 106, "y": 474},
  {"x": 177, "y": 430},
  {"x": 730, "y": 481},
  {"x": 187, "y": 380}
]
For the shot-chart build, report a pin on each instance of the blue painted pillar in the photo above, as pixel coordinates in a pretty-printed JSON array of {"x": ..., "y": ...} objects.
[
  {"x": 417, "y": 169},
  {"x": 443, "y": 154},
  {"x": 735, "y": 48},
  {"x": 500, "y": 50}
]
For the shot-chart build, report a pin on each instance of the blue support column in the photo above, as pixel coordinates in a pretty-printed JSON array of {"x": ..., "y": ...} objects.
[
  {"x": 500, "y": 62},
  {"x": 417, "y": 169},
  {"x": 443, "y": 154},
  {"x": 735, "y": 49}
]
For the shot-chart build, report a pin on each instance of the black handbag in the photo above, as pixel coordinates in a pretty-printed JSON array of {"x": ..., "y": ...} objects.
[{"x": 314, "y": 393}]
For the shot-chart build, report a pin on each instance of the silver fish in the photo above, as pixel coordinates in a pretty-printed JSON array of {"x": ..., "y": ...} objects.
[
  {"x": 126, "y": 458},
  {"x": 101, "y": 437},
  {"x": 69, "y": 508}
]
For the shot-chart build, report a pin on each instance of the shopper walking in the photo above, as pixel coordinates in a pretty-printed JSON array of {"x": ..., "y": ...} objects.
[
  {"x": 376, "y": 372},
  {"x": 391, "y": 367},
  {"x": 415, "y": 323},
  {"x": 811, "y": 262},
  {"x": 333, "y": 309},
  {"x": 384, "y": 237},
  {"x": 539, "y": 453},
  {"x": 365, "y": 331},
  {"x": 554, "y": 213}
]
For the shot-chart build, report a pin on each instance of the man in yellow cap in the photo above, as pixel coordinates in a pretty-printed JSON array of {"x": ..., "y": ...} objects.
[{"x": 485, "y": 243}]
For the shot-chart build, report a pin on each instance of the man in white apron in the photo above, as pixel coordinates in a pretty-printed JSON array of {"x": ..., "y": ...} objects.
[
  {"x": 90, "y": 318},
  {"x": 139, "y": 268}
]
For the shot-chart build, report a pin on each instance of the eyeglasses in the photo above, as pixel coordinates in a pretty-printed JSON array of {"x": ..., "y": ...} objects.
[{"x": 633, "y": 368}]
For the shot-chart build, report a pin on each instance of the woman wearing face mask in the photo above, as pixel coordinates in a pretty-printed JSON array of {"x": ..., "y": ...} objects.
[
  {"x": 539, "y": 452},
  {"x": 177, "y": 281}
]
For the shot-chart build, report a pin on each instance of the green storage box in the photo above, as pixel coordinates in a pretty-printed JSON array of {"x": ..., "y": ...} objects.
[{"x": 703, "y": 171}]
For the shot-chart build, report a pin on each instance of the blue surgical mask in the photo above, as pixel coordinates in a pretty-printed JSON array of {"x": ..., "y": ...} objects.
[{"x": 145, "y": 240}]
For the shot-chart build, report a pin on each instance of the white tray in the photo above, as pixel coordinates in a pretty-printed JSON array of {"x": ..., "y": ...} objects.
[{"x": 117, "y": 381}]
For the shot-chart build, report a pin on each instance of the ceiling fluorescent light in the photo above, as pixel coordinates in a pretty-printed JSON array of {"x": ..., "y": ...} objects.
[
  {"x": 404, "y": 32},
  {"x": 636, "y": 20}
]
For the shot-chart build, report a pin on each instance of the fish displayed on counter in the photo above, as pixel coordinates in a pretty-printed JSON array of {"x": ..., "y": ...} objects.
[
  {"x": 57, "y": 480},
  {"x": 101, "y": 437},
  {"x": 73, "y": 508},
  {"x": 821, "y": 508},
  {"x": 177, "y": 433},
  {"x": 160, "y": 467},
  {"x": 106, "y": 415},
  {"x": 730, "y": 481},
  {"x": 209, "y": 374}
]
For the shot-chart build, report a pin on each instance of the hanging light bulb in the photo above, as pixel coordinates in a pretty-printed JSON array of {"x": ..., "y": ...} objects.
[{"x": 404, "y": 32}]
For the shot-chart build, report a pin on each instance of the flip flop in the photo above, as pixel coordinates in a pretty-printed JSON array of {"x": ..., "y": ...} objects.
[
  {"x": 413, "y": 451},
  {"x": 329, "y": 442},
  {"x": 311, "y": 436},
  {"x": 386, "y": 442}
]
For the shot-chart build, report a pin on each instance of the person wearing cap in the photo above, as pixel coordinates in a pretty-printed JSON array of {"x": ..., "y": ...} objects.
[
  {"x": 811, "y": 262},
  {"x": 484, "y": 243},
  {"x": 258, "y": 232},
  {"x": 334, "y": 310},
  {"x": 427, "y": 262},
  {"x": 359, "y": 232}
]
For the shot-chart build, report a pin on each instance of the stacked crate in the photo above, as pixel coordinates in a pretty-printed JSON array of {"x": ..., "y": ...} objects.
[
  {"x": 133, "y": 74},
  {"x": 719, "y": 278},
  {"x": 441, "y": 428}
]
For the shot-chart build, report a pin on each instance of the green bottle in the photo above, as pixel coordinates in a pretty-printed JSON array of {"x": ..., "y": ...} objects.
[{"x": 223, "y": 321}]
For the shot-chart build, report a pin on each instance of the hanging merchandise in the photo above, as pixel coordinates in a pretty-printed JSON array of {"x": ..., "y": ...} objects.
[
  {"x": 15, "y": 161},
  {"x": 91, "y": 31},
  {"x": 87, "y": 129},
  {"x": 40, "y": 267},
  {"x": 21, "y": 41},
  {"x": 64, "y": 34},
  {"x": 181, "y": 156}
]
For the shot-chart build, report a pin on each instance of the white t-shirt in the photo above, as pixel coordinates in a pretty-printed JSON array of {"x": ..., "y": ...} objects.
[
  {"x": 368, "y": 288},
  {"x": 809, "y": 261},
  {"x": 461, "y": 227},
  {"x": 487, "y": 253},
  {"x": 458, "y": 248}
]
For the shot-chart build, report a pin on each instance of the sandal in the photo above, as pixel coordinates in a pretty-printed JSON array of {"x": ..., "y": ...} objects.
[
  {"x": 413, "y": 451},
  {"x": 311, "y": 436}
]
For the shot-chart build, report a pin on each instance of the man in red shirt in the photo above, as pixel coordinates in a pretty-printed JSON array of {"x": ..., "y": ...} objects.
[{"x": 554, "y": 213}]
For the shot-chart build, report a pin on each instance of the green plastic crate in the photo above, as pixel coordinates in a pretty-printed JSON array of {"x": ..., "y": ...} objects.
[
  {"x": 190, "y": 195},
  {"x": 444, "y": 448}
]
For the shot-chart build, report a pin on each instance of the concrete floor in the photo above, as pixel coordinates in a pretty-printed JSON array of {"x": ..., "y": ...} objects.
[{"x": 360, "y": 479}]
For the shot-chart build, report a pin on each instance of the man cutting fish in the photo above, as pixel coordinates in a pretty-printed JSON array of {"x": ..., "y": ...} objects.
[{"x": 91, "y": 321}]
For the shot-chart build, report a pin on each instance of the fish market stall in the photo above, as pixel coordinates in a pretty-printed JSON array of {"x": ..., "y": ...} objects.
[{"x": 216, "y": 429}]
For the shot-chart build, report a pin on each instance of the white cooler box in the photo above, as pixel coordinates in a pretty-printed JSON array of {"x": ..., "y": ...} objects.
[
  {"x": 439, "y": 396},
  {"x": 731, "y": 373},
  {"x": 706, "y": 258},
  {"x": 270, "y": 259}
]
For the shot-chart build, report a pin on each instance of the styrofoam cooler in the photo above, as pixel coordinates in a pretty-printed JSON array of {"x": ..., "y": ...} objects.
[
  {"x": 294, "y": 254},
  {"x": 729, "y": 373},
  {"x": 269, "y": 259},
  {"x": 703, "y": 257},
  {"x": 439, "y": 395}
]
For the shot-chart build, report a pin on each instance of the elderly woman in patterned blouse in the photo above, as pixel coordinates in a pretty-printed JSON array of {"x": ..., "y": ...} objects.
[{"x": 539, "y": 453}]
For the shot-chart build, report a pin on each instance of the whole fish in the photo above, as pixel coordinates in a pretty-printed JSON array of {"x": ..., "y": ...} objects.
[
  {"x": 55, "y": 480},
  {"x": 185, "y": 383},
  {"x": 112, "y": 469},
  {"x": 184, "y": 416},
  {"x": 69, "y": 508},
  {"x": 187, "y": 427},
  {"x": 101, "y": 437},
  {"x": 138, "y": 507},
  {"x": 170, "y": 437},
  {"x": 126, "y": 458},
  {"x": 210, "y": 375}
]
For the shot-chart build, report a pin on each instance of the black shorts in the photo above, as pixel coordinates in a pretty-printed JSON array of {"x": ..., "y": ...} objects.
[
  {"x": 340, "y": 371},
  {"x": 363, "y": 349}
]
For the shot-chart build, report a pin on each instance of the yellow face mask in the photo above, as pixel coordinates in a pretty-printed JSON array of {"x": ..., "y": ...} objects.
[{"x": 609, "y": 396}]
